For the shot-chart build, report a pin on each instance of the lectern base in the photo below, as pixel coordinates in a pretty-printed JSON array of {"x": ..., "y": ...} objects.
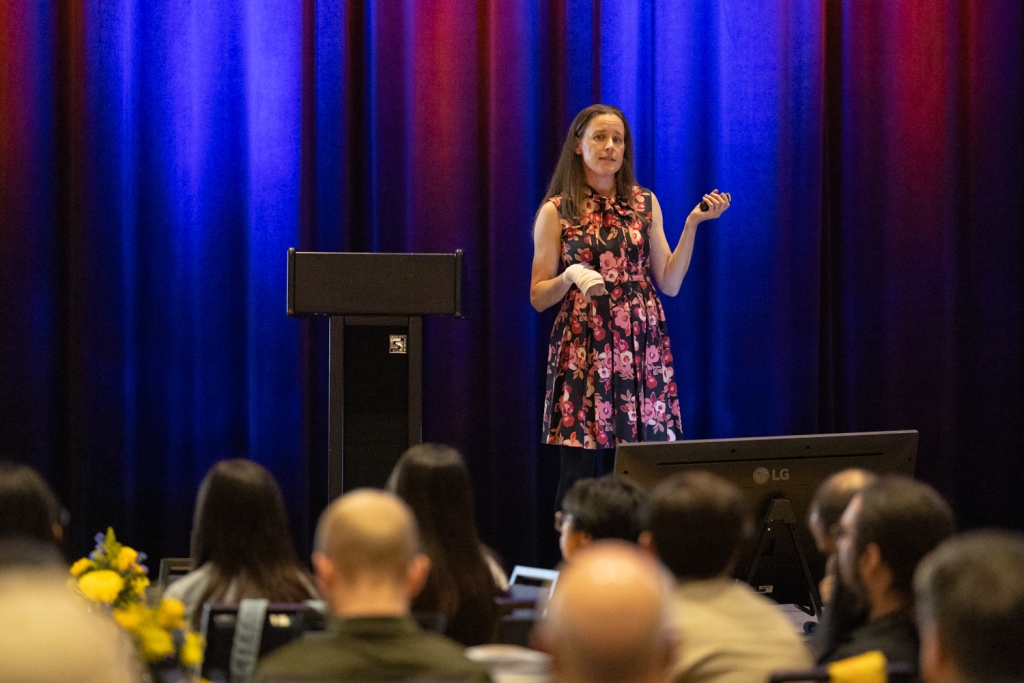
[{"x": 376, "y": 398}]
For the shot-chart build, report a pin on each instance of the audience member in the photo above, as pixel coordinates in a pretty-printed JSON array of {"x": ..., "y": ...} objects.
[
  {"x": 884, "y": 532},
  {"x": 48, "y": 635},
  {"x": 241, "y": 545},
  {"x": 464, "y": 576},
  {"x": 843, "y": 609},
  {"x": 609, "y": 620},
  {"x": 699, "y": 526},
  {"x": 827, "y": 506},
  {"x": 31, "y": 531},
  {"x": 970, "y": 609},
  {"x": 594, "y": 509},
  {"x": 368, "y": 563}
]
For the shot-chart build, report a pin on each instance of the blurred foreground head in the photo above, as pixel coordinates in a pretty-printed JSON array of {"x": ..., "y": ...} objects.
[
  {"x": 609, "y": 620},
  {"x": 46, "y": 634},
  {"x": 30, "y": 518},
  {"x": 970, "y": 609}
]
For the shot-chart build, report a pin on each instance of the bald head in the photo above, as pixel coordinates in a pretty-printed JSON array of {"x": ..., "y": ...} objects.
[
  {"x": 609, "y": 620},
  {"x": 368, "y": 532}
]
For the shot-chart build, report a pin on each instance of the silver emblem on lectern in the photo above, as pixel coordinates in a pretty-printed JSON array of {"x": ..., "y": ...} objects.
[{"x": 397, "y": 344}]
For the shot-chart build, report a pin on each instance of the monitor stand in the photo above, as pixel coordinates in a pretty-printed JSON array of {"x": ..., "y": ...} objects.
[{"x": 781, "y": 511}]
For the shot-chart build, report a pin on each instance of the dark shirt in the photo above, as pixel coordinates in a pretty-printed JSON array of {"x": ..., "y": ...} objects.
[
  {"x": 371, "y": 649},
  {"x": 894, "y": 634}
]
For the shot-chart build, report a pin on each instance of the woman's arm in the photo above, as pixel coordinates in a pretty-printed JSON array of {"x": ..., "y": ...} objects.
[
  {"x": 669, "y": 266},
  {"x": 547, "y": 286}
]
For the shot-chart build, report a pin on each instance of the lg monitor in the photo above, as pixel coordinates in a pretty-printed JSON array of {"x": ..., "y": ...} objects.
[{"x": 788, "y": 468}]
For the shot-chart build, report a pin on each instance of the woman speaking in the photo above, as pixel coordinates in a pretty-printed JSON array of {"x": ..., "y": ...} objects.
[{"x": 609, "y": 376}]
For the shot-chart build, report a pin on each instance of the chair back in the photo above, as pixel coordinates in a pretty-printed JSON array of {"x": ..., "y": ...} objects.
[
  {"x": 172, "y": 569},
  {"x": 281, "y": 623}
]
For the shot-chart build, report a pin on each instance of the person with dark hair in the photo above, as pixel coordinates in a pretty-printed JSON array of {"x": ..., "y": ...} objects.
[
  {"x": 464, "y": 577},
  {"x": 595, "y": 509},
  {"x": 885, "y": 531},
  {"x": 368, "y": 561},
  {"x": 843, "y": 610},
  {"x": 31, "y": 530},
  {"x": 241, "y": 545},
  {"x": 699, "y": 526},
  {"x": 599, "y": 247},
  {"x": 970, "y": 609}
]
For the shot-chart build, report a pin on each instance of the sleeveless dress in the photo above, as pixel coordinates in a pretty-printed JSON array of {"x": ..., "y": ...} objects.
[{"x": 609, "y": 372}]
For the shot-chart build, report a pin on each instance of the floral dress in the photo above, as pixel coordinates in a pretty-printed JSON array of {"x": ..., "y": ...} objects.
[{"x": 610, "y": 376}]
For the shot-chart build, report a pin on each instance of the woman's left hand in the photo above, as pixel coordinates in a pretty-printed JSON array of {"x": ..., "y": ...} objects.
[{"x": 717, "y": 204}]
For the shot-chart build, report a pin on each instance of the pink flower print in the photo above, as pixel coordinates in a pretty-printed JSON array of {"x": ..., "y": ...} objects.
[
  {"x": 629, "y": 407},
  {"x": 653, "y": 354},
  {"x": 604, "y": 410},
  {"x": 624, "y": 365},
  {"x": 622, "y": 318},
  {"x": 565, "y": 405},
  {"x": 586, "y": 256},
  {"x": 659, "y": 407},
  {"x": 573, "y": 354},
  {"x": 650, "y": 415},
  {"x": 581, "y": 356},
  {"x": 604, "y": 371}
]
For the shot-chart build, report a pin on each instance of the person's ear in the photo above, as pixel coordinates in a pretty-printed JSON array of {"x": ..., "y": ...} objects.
[
  {"x": 579, "y": 146},
  {"x": 416, "y": 575},
  {"x": 325, "y": 572},
  {"x": 646, "y": 541}
]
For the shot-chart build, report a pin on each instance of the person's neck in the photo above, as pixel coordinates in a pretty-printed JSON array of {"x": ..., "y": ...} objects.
[
  {"x": 377, "y": 602},
  {"x": 886, "y": 602},
  {"x": 601, "y": 183}
]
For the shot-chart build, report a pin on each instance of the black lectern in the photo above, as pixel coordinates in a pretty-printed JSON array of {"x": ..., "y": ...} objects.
[{"x": 376, "y": 303}]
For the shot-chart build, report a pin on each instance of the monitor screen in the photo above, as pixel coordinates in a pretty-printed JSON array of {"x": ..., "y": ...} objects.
[{"x": 766, "y": 468}]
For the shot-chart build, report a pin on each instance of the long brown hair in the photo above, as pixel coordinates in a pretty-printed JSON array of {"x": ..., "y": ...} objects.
[
  {"x": 241, "y": 529},
  {"x": 434, "y": 482},
  {"x": 570, "y": 181}
]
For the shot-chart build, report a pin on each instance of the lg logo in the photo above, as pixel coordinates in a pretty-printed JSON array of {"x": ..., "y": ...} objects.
[{"x": 762, "y": 475}]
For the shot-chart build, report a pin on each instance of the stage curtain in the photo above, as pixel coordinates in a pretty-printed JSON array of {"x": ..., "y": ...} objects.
[{"x": 158, "y": 158}]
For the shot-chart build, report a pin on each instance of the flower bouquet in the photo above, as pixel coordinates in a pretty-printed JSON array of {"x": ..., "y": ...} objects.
[{"x": 112, "y": 576}]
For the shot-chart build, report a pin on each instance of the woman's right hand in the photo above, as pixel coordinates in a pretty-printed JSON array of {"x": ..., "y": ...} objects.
[{"x": 587, "y": 280}]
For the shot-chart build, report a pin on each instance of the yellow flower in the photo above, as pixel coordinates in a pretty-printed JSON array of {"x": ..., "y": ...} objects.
[
  {"x": 126, "y": 558},
  {"x": 128, "y": 618},
  {"x": 192, "y": 650},
  {"x": 156, "y": 643},
  {"x": 79, "y": 567},
  {"x": 171, "y": 613},
  {"x": 139, "y": 585},
  {"x": 102, "y": 585}
]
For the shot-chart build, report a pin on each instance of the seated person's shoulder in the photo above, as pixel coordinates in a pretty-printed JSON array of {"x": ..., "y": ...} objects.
[{"x": 422, "y": 656}]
